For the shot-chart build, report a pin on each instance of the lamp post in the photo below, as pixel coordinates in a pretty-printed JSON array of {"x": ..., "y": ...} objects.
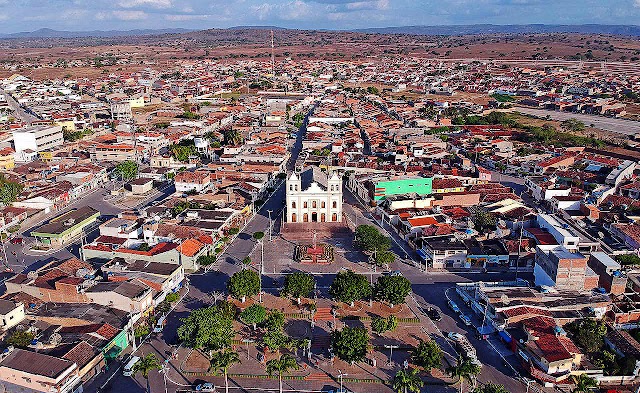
[
  {"x": 340, "y": 375},
  {"x": 261, "y": 266},
  {"x": 391, "y": 347},
  {"x": 247, "y": 341}
]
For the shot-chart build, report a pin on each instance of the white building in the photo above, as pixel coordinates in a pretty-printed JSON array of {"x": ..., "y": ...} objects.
[
  {"x": 36, "y": 139},
  {"x": 314, "y": 201}
]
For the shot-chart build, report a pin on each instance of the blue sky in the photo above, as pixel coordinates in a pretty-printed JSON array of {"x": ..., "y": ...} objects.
[{"x": 76, "y": 15}]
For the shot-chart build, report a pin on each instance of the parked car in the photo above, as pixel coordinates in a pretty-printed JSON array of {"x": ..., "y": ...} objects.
[
  {"x": 433, "y": 314},
  {"x": 465, "y": 319},
  {"x": 205, "y": 388},
  {"x": 17, "y": 240},
  {"x": 395, "y": 273},
  {"x": 455, "y": 336},
  {"x": 453, "y": 306}
]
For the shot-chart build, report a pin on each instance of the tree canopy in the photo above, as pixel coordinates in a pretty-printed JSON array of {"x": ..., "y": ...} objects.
[
  {"x": 244, "y": 283},
  {"x": 127, "y": 170},
  {"x": 349, "y": 286},
  {"x": 299, "y": 284},
  {"x": 588, "y": 333},
  {"x": 393, "y": 289},
  {"x": 146, "y": 364},
  {"x": 381, "y": 325},
  {"x": 368, "y": 238},
  {"x": 407, "y": 381},
  {"x": 350, "y": 344},
  {"x": 490, "y": 387},
  {"x": 207, "y": 328},
  {"x": 427, "y": 355},
  {"x": 253, "y": 315}
]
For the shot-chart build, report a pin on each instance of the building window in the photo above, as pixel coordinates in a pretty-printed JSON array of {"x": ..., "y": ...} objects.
[
  {"x": 304, "y": 204},
  {"x": 334, "y": 217},
  {"x": 294, "y": 218},
  {"x": 323, "y": 217},
  {"x": 305, "y": 218},
  {"x": 335, "y": 204},
  {"x": 314, "y": 204},
  {"x": 290, "y": 187},
  {"x": 293, "y": 204},
  {"x": 323, "y": 204}
]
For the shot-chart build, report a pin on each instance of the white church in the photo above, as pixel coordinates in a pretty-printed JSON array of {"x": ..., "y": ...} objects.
[{"x": 313, "y": 196}]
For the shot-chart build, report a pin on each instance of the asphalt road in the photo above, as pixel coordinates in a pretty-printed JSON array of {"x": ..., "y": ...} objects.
[
  {"x": 18, "y": 111},
  {"x": 620, "y": 126}
]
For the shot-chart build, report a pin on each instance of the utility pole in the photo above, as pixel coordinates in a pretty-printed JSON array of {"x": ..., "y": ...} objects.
[{"x": 261, "y": 266}]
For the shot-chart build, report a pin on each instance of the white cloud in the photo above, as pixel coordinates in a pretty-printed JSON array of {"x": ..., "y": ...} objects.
[
  {"x": 4, "y": 17},
  {"x": 292, "y": 10},
  {"x": 145, "y": 3},
  {"x": 182, "y": 17},
  {"x": 368, "y": 5},
  {"x": 636, "y": 3},
  {"x": 130, "y": 15}
]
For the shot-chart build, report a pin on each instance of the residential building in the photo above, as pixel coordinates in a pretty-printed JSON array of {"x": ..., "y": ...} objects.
[
  {"x": 197, "y": 181},
  {"x": 440, "y": 252},
  {"x": 64, "y": 228},
  {"x": 36, "y": 139},
  {"x": 21, "y": 369},
  {"x": 562, "y": 269},
  {"x": 11, "y": 314}
]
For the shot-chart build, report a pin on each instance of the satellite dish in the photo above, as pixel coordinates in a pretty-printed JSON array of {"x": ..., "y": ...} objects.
[
  {"x": 504, "y": 299},
  {"x": 55, "y": 339},
  {"x": 82, "y": 272},
  {"x": 32, "y": 275}
]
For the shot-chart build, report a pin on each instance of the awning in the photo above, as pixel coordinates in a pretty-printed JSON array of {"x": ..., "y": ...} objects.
[
  {"x": 504, "y": 336},
  {"x": 421, "y": 254}
]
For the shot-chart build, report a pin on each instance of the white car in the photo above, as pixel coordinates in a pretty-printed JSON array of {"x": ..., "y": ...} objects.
[
  {"x": 455, "y": 336},
  {"x": 206, "y": 388}
]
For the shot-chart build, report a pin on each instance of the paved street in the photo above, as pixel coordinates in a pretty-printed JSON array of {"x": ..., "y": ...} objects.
[
  {"x": 19, "y": 112},
  {"x": 620, "y": 126}
]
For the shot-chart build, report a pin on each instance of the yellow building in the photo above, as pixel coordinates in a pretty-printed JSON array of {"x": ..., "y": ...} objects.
[
  {"x": 136, "y": 102},
  {"x": 6, "y": 158}
]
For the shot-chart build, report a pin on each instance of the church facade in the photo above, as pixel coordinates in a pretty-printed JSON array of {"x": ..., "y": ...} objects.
[{"x": 315, "y": 202}]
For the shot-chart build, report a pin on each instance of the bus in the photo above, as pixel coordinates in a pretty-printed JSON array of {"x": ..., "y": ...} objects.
[{"x": 127, "y": 371}]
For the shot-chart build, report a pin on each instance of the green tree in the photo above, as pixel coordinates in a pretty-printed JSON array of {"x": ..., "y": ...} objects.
[
  {"x": 490, "y": 388},
  {"x": 349, "y": 286},
  {"x": 221, "y": 361},
  {"x": 281, "y": 366},
  {"x": 369, "y": 239},
  {"x": 484, "y": 221},
  {"x": 183, "y": 151},
  {"x": 381, "y": 325},
  {"x": 384, "y": 258},
  {"x": 350, "y": 344},
  {"x": 392, "y": 289},
  {"x": 232, "y": 138},
  {"x": 253, "y": 315},
  {"x": 573, "y": 125},
  {"x": 208, "y": 328},
  {"x": 298, "y": 285},
  {"x": 464, "y": 370},
  {"x": 407, "y": 381},
  {"x": 584, "y": 383},
  {"x": 127, "y": 170},
  {"x": 144, "y": 366},
  {"x": 20, "y": 339},
  {"x": 258, "y": 235},
  {"x": 275, "y": 320},
  {"x": 588, "y": 333},
  {"x": 244, "y": 283},
  {"x": 427, "y": 355}
]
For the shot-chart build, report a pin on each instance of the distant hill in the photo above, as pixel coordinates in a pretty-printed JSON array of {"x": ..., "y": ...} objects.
[
  {"x": 627, "y": 30},
  {"x": 50, "y": 33}
]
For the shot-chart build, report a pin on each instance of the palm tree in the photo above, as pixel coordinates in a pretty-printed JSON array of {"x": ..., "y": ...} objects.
[
  {"x": 408, "y": 380},
  {"x": 221, "y": 361},
  {"x": 281, "y": 366},
  {"x": 144, "y": 365},
  {"x": 584, "y": 383},
  {"x": 464, "y": 369}
]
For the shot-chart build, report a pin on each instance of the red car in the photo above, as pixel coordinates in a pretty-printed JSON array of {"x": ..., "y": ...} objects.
[{"x": 17, "y": 240}]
